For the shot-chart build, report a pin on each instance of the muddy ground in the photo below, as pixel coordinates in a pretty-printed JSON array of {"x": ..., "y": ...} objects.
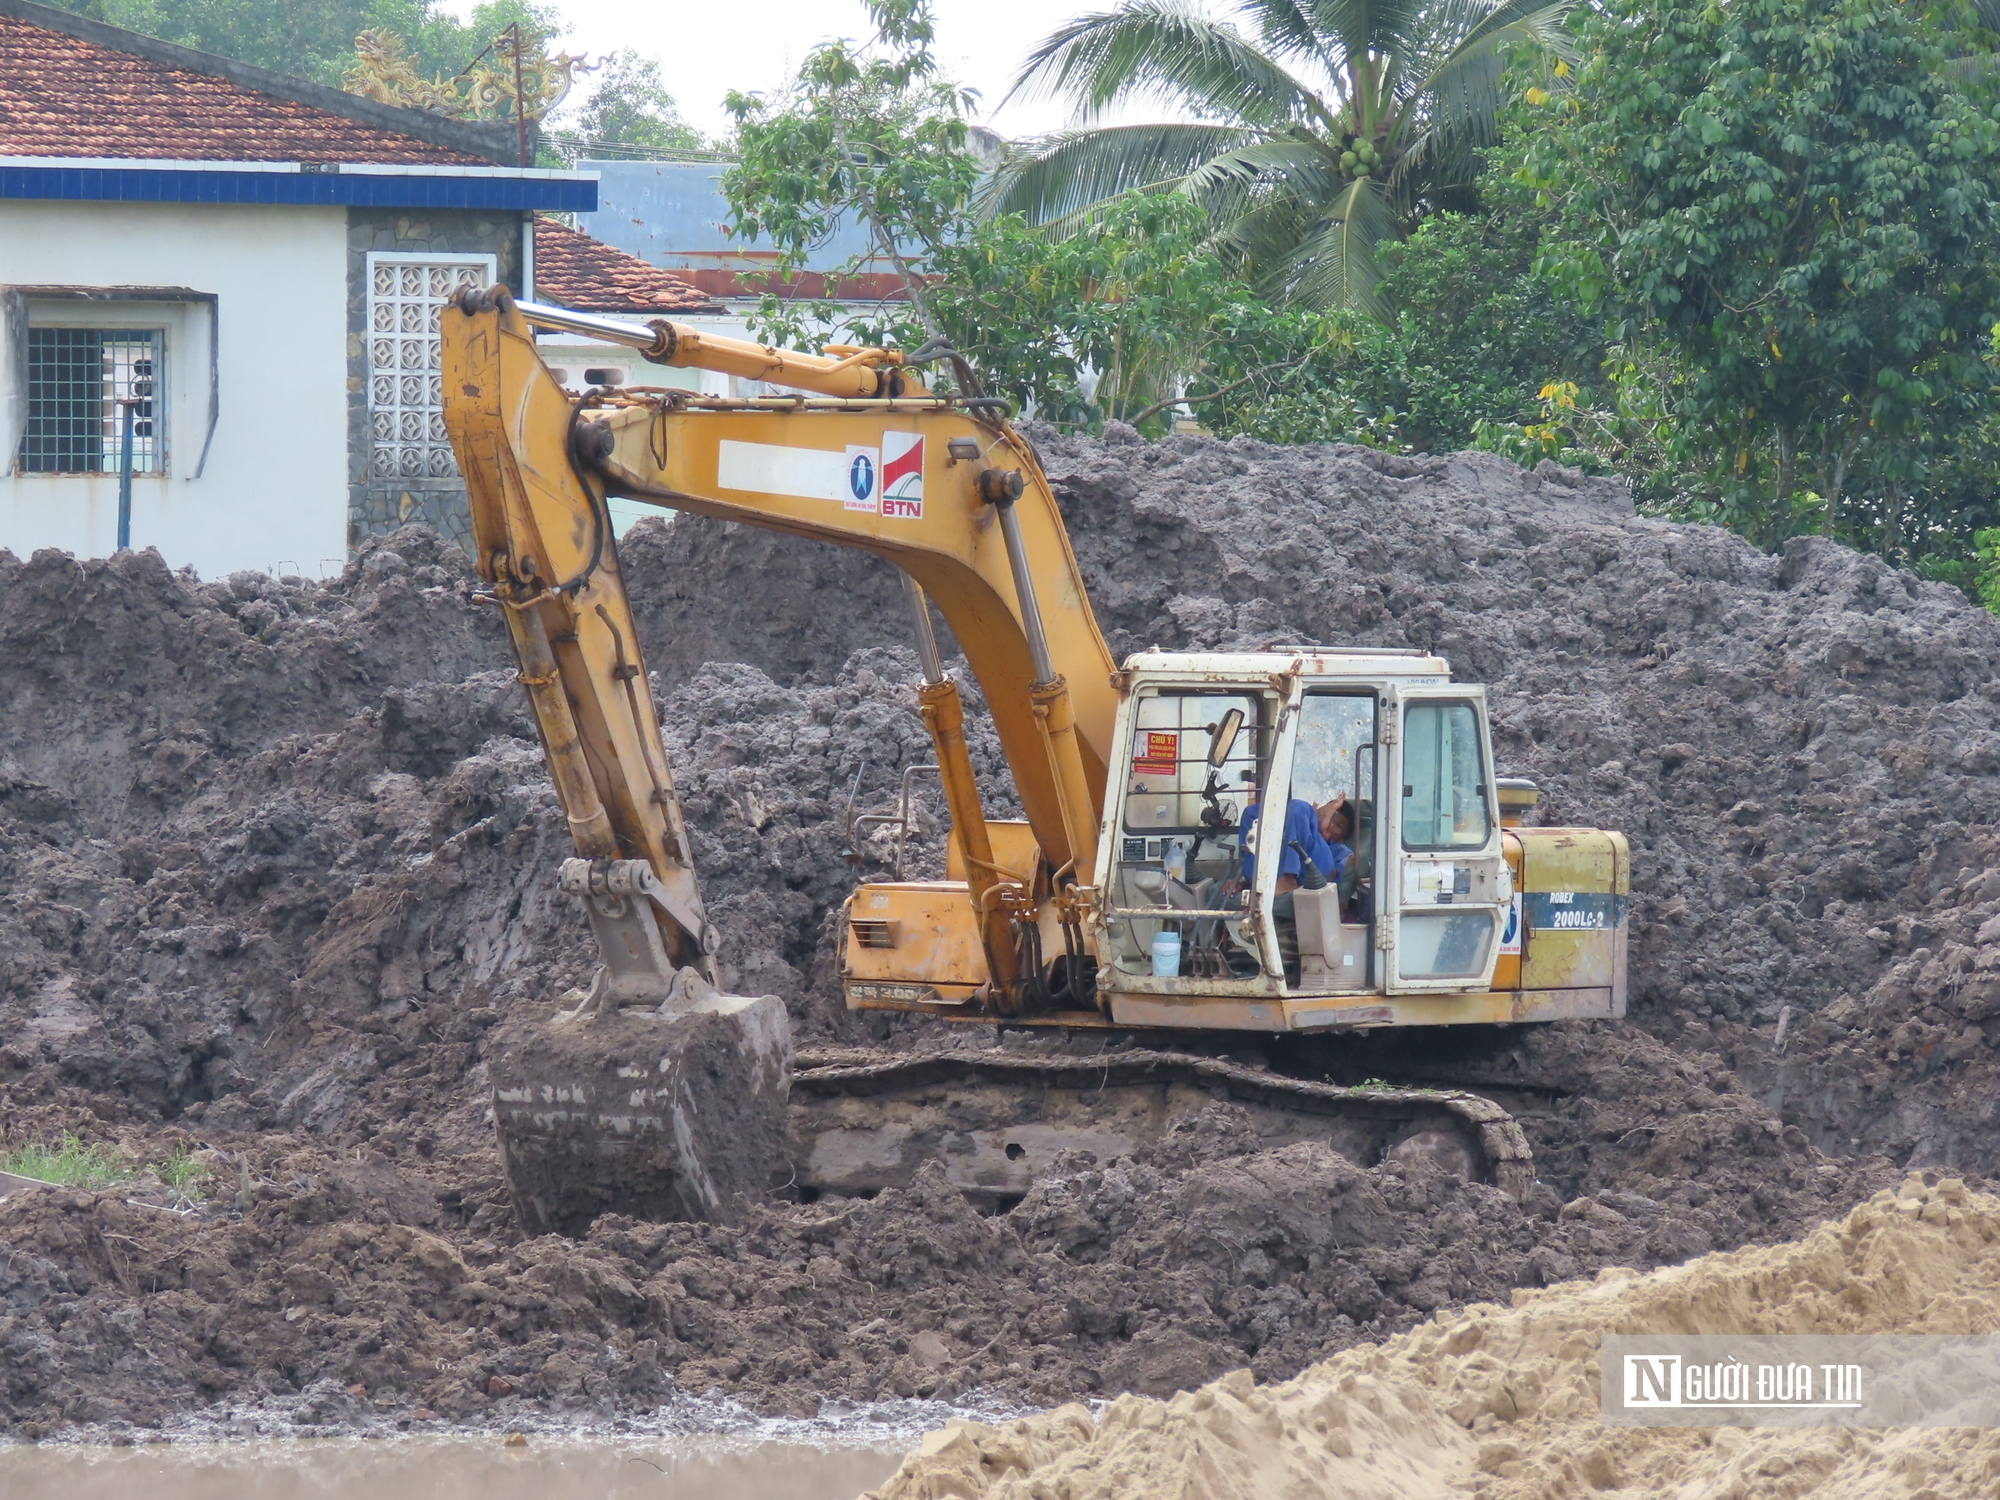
[{"x": 275, "y": 856}]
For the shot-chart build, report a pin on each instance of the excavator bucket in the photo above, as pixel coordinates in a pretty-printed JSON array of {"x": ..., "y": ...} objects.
[{"x": 670, "y": 1113}]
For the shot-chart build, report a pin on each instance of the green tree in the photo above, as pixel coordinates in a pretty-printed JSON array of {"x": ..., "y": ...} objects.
[
  {"x": 1335, "y": 126},
  {"x": 1478, "y": 347},
  {"x": 1110, "y": 323},
  {"x": 869, "y": 134},
  {"x": 1797, "y": 198},
  {"x": 628, "y": 112},
  {"x": 314, "y": 39},
  {"x": 1106, "y": 323}
]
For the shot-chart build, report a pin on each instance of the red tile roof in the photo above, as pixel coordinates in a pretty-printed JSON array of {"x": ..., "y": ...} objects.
[
  {"x": 805, "y": 286},
  {"x": 63, "y": 95},
  {"x": 586, "y": 275}
]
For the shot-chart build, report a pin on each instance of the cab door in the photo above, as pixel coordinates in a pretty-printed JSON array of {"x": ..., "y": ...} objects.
[{"x": 1443, "y": 903}]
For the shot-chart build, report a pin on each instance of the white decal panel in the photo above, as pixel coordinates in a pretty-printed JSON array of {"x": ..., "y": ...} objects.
[
  {"x": 770, "y": 469},
  {"x": 1428, "y": 884}
]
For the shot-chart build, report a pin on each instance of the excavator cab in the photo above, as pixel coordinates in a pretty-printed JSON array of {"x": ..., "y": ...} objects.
[
  {"x": 1443, "y": 909},
  {"x": 1196, "y": 851}
]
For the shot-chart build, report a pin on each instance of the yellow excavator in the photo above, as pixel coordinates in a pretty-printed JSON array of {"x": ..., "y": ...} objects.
[{"x": 1129, "y": 900}]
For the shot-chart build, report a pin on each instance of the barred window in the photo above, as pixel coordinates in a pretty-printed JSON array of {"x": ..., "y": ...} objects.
[
  {"x": 406, "y": 297},
  {"x": 77, "y": 378}
]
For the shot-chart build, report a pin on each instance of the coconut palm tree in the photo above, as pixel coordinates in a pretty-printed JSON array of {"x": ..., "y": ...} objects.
[{"x": 1328, "y": 125}]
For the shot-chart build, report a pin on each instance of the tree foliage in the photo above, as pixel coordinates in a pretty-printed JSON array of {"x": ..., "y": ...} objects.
[
  {"x": 1797, "y": 199},
  {"x": 1108, "y": 324},
  {"x": 1476, "y": 343},
  {"x": 314, "y": 39},
  {"x": 1333, "y": 127},
  {"x": 628, "y": 112},
  {"x": 869, "y": 134},
  {"x": 1136, "y": 315},
  {"x": 1103, "y": 324}
]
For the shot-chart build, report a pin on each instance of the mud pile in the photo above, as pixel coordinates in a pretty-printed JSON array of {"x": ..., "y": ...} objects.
[
  {"x": 327, "y": 1288},
  {"x": 1504, "y": 1403},
  {"x": 278, "y": 854},
  {"x": 1804, "y": 750},
  {"x": 269, "y": 842}
]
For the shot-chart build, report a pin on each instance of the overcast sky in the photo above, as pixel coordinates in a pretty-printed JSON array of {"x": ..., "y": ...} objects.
[{"x": 709, "y": 48}]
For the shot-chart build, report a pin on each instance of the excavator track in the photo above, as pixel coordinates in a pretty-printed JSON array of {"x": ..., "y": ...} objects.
[{"x": 861, "y": 1122}]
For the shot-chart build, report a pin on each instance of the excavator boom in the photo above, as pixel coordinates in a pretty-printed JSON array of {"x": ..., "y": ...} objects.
[{"x": 656, "y": 1093}]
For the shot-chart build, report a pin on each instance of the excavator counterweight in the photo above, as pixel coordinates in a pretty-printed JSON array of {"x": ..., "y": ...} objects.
[{"x": 1304, "y": 839}]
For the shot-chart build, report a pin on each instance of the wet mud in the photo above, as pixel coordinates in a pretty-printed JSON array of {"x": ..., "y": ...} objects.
[{"x": 279, "y": 858}]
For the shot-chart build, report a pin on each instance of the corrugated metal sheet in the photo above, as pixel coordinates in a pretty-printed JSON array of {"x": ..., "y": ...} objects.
[{"x": 672, "y": 213}]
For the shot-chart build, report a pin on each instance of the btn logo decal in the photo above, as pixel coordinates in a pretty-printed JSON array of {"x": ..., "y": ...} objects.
[
  {"x": 903, "y": 475},
  {"x": 863, "y": 467}
]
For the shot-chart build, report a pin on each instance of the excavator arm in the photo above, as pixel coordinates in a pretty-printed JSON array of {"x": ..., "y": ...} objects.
[
  {"x": 657, "y": 1096},
  {"x": 938, "y": 485}
]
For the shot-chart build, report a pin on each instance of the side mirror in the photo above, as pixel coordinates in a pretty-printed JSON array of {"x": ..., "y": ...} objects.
[{"x": 1222, "y": 737}]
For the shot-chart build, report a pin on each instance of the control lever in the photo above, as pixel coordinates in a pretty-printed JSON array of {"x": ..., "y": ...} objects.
[{"x": 1311, "y": 876}]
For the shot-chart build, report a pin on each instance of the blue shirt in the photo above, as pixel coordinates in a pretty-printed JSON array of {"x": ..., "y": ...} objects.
[{"x": 1301, "y": 828}]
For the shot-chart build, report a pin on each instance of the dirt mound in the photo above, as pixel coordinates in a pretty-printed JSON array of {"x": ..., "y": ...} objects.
[
  {"x": 267, "y": 842},
  {"x": 314, "y": 1270},
  {"x": 1503, "y": 1402},
  {"x": 278, "y": 855},
  {"x": 1804, "y": 750}
]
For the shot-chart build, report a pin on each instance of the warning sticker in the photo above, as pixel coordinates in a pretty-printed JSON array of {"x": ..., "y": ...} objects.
[
  {"x": 903, "y": 475},
  {"x": 1157, "y": 754},
  {"x": 1435, "y": 884}
]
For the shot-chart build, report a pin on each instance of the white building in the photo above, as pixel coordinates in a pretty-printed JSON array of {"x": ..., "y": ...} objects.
[{"x": 255, "y": 262}]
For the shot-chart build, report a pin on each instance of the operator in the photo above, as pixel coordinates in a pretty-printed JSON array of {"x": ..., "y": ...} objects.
[{"x": 1320, "y": 831}]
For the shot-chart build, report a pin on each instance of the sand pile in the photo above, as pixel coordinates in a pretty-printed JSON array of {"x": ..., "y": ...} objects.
[{"x": 1503, "y": 1402}]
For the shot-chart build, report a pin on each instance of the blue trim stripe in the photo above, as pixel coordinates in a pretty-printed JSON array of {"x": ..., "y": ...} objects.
[{"x": 333, "y": 189}]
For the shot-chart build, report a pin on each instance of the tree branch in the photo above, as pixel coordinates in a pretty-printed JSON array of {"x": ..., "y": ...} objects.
[{"x": 1159, "y": 406}]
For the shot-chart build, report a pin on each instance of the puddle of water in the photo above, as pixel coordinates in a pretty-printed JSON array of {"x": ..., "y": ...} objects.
[{"x": 481, "y": 1468}]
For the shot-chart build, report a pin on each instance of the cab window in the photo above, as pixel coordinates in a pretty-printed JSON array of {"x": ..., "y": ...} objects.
[
  {"x": 1333, "y": 730},
  {"x": 1174, "y": 782},
  {"x": 1196, "y": 761},
  {"x": 1444, "y": 778}
]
